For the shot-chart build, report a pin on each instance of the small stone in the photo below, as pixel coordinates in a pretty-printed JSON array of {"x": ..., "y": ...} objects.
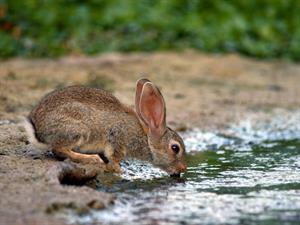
[
  {"x": 95, "y": 204},
  {"x": 179, "y": 96}
]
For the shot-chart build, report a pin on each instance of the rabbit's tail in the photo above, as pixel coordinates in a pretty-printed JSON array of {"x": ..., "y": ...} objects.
[{"x": 31, "y": 134}]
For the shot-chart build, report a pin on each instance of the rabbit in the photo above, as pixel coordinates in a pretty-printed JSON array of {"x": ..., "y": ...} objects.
[{"x": 90, "y": 125}]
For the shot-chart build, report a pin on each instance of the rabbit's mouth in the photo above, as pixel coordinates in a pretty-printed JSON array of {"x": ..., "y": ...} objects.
[{"x": 173, "y": 172}]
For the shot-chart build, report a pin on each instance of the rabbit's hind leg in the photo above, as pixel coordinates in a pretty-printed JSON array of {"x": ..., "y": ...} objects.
[{"x": 67, "y": 152}]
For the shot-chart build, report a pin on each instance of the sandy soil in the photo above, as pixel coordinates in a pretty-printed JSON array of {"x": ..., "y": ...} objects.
[{"x": 205, "y": 91}]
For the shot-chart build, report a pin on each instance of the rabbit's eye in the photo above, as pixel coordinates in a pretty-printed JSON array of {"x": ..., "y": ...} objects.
[{"x": 175, "y": 148}]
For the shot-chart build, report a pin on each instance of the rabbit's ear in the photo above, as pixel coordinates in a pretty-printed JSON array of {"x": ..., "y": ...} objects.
[
  {"x": 152, "y": 108},
  {"x": 139, "y": 87}
]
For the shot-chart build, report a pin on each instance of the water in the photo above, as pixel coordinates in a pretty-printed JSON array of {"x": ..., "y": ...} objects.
[{"x": 248, "y": 175}]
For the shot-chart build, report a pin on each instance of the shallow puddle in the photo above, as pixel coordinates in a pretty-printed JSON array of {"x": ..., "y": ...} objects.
[{"x": 250, "y": 175}]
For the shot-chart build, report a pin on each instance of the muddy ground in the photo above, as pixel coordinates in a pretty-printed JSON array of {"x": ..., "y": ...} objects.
[{"x": 205, "y": 91}]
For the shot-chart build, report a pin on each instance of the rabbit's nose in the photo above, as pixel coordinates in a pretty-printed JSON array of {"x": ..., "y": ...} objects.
[{"x": 181, "y": 167}]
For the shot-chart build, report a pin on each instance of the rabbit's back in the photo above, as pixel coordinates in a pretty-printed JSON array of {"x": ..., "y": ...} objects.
[
  {"x": 72, "y": 113},
  {"x": 91, "y": 97}
]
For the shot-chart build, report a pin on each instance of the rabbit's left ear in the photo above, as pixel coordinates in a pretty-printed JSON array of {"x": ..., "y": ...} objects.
[
  {"x": 153, "y": 110},
  {"x": 139, "y": 87}
]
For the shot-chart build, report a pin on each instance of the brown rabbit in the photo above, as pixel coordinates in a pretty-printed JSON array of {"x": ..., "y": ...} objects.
[{"x": 90, "y": 125}]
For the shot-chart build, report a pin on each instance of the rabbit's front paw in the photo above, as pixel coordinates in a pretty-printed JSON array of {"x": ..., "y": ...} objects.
[{"x": 113, "y": 167}]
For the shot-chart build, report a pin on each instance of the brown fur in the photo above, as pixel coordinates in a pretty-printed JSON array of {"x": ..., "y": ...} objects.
[{"x": 81, "y": 122}]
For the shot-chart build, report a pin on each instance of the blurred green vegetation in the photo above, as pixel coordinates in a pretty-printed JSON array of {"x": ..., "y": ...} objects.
[{"x": 260, "y": 28}]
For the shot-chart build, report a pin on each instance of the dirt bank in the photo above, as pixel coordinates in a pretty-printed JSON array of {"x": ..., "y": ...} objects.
[{"x": 201, "y": 91}]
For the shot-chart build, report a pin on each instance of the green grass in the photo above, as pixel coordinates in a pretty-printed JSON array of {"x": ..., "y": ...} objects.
[{"x": 49, "y": 28}]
